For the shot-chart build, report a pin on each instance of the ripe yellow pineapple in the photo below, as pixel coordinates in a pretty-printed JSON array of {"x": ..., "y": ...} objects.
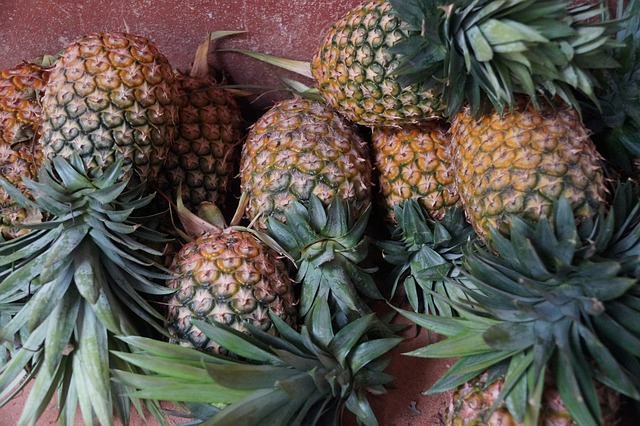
[
  {"x": 298, "y": 148},
  {"x": 520, "y": 162},
  {"x": 20, "y": 152},
  {"x": 111, "y": 95},
  {"x": 414, "y": 162},
  {"x": 228, "y": 275},
  {"x": 203, "y": 156}
]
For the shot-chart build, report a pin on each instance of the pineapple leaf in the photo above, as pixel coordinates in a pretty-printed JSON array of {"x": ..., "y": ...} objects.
[
  {"x": 41, "y": 392},
  {"x": 59, "y": 337},
  {"x": 466, "y": 343},
  {"x": 362, "y": 409},
  {"x": 368, "y": 351},
  {"x": 465, "y": 369},
  {"x": 510, "y": 336},
  {"x": 91, "y": 364},
  {"x": 349, "y": 336},
  {"x": 237, "y": 342}
]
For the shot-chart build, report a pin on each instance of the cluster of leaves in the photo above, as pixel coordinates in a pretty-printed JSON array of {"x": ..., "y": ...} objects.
[
  {"x": 71, "y": 284},
  {"x": 552, "y": 297},
  {"x": 299, "y": 378},
  {"x": 482, "y": 52}
]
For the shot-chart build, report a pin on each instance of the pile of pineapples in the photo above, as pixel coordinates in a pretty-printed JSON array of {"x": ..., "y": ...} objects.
[{"x": 477, "y": 160}]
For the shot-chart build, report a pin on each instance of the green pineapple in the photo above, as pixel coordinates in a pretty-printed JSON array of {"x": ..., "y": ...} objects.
[
  {"x": 308, "y": 377},
  {"x": 86, "y": 274},
  {"x": 203, "y": 157},
  {"x": 389, "y": 63},
  {"x": 354, "y": 70},
  {"x": 555, "y": 298},
  {"x": 110, "y": 96}
]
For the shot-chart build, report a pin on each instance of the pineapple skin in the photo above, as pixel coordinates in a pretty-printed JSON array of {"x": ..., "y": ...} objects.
[
  {"x": 20, "y": 152},
  {"x": 298, "y": 148},
  {"x": 415, "y": 162},
  {"x": 473, "y": 400},
  {"x": 111, "y": 96},
  {"x": 353, "y": 70},
  {"x": 520, "y": 162},
  {"x": 203, "y": 157},
  {"x": 231, "y": 277}
]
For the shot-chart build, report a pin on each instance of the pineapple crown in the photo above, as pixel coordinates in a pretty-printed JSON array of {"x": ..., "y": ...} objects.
[
  {"x": 327, "y": 249},
  {"x": 425, "y": 252},
  {"x": 297, "y": 378},
  {"x": 616, "y": 125},
  {"x": 481, "y": 52},
  {"x": 80, "y": 276},
  {"x": 554, "y": 295}
]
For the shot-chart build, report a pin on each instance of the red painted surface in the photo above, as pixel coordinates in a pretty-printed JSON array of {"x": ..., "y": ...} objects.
[{"x": 30, "y": 28}]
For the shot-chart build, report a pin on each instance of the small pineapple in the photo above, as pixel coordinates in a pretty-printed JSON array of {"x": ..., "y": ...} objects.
[
  {"x": 111, "y": 95},
  {"x": 298, "y": 148},
  {"x": 521, "y": 162},
  {"x": 415, "y": 162},
  {"x": 20, "y": 152},
  {"x": 228, "y": 275},
  {"x": 203, "y": 156}
]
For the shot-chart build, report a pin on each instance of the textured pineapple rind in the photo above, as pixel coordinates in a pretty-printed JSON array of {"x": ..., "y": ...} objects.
[
  {"x": 230, "y": 277},
  {"x": 20, "y": 153},
  {"x": 521, "y": 162},
  {"x": 415, "y": 162},
  {"x": 353, "y": 70},
  {"x": 298, "y": 148},
  {"x": 203, "y": 156},
  {"x": 109, "y": 96}
]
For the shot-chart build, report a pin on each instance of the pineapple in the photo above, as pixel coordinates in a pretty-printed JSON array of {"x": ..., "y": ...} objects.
[
  {"x": 20, "y": 152},
  {"x": 308, "y": 377},
  {"x": 353, "y": 69},
  {"x": 301, "y": 147},
  {"x": 203, "y": 156},
  {"x": 474, "y": 403},
  {"x": 87, "y": 273},
  {"x": 227, "y": 275},
  {"x": 552, "y": 305},
  {"x": 109, "y": 96},
  {"x": 415, "y": 162},
  {"x": 519, "y": 163},
  {"x": 389, "y": 63}
]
